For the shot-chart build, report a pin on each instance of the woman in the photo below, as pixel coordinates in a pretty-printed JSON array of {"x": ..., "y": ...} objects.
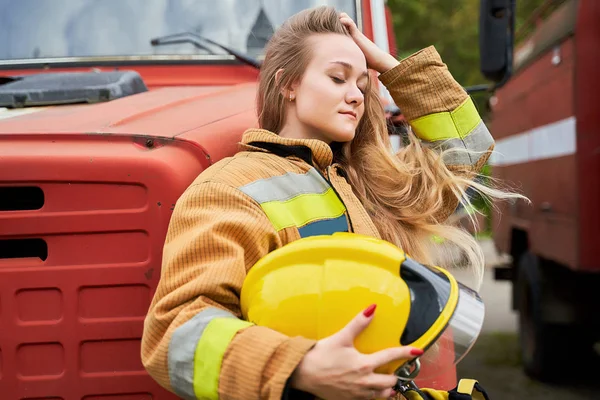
[{"x": 321, "y": 163}]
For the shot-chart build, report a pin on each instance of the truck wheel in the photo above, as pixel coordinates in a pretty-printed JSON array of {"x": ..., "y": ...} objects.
[
  {"x": 540, "y": 343},
  {"x": 543, "y": 345}
]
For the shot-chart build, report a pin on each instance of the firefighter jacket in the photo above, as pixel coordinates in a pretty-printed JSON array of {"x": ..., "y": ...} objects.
[{"x": 272, "y": 192}]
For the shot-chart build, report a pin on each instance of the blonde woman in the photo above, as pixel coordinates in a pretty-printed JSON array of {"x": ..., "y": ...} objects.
[{"x": 320, "y": 163}]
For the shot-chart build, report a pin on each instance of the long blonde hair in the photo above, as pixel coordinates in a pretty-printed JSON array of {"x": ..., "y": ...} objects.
[{"x": 406, "y": 194}]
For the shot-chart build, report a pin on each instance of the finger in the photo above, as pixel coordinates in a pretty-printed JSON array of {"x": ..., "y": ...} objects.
[
  {"x": 348, "y": 333},
  {"x": 380, "y": 381},
  {"x": 386, "y": 394},
  {"x": 392, "y": 354},
  {"x": 348, "y": 23},
  {"x": 372, "y": 394}
]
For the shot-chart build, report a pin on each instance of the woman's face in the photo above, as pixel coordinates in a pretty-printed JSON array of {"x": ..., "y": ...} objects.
[{"x": 329, "y": 100}]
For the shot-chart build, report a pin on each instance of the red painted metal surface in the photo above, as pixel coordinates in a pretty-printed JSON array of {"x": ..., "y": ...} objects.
[
  {"x": 165, "y": 112},
  {"x": 367, "y": 20},
  {"x": 552, "y": 235},
  {"x": 587, "y": 87},
  {"x": 539, "y": 94},
  {"x": 213, "y": 118},
  {"x": 72, "y": 319}
]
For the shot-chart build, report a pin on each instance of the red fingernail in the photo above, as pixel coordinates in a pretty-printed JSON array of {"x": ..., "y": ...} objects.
[
  {"x": 370, "y": 310},
  {"x": 416, "y": 352}
]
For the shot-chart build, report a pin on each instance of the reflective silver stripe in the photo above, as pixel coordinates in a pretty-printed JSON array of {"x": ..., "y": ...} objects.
[
  {"x": 285, "y": 187},
  {"x": 182, "y": 349},
  {"x": 477, "y": 143},
  {"x": 557, "y": 139}
]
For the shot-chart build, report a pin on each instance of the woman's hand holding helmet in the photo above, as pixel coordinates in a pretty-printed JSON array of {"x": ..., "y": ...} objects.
[
  {"x": 377, "y": 59},
  {"x": 334, "y": 369}
]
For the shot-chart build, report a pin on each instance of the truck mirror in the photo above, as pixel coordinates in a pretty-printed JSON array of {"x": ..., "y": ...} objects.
[{"x": 496, "y": 37}]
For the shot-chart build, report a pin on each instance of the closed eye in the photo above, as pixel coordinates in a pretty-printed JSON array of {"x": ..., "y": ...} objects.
[{"x": 340, "y": 81}]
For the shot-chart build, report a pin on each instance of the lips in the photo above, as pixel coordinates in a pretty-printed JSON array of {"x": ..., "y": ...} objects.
[{"x": 349, "y": 113}]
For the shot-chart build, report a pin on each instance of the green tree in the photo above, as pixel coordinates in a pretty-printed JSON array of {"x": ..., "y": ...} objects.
[{"x": 452, "y": 26}]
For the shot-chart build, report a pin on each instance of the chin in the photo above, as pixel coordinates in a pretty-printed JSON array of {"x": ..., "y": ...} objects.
[{"x": 342, "y": 136}]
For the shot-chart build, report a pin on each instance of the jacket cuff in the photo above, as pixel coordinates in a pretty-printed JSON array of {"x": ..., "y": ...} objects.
[{"x": 259, "y": 363}]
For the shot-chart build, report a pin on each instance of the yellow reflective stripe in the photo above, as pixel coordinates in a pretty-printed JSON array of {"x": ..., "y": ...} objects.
[
  {"x": 303, "y": 209},
  {"x": 448, "y": 125},
  {"x": 466, "y": 118},
  {"x": 209, "y": 355},
  {"x": 433, "y": 394},
  {"x": 412, "y": 395},
  {"x": 466, "y": 386}
]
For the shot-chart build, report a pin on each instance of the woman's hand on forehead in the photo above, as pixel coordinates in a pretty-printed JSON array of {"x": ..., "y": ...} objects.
[{"x": 377, "y": 59}]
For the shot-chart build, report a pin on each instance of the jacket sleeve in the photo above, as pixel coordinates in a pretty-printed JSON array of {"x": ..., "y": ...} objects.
[
  {"x": 440, "y": 113},
  {"x": 195, "y": 343}
]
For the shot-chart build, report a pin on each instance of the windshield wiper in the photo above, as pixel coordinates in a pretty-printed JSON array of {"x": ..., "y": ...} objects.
[{"x": 195, "y": 39}]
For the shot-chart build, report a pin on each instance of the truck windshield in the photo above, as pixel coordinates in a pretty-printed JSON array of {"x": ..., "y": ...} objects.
[{"x": 32, "y": 30}]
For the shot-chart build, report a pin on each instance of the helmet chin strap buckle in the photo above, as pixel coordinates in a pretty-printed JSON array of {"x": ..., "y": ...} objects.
[
  {"x": 406, "y": 374},
  {"x": 409, "y": 370}
]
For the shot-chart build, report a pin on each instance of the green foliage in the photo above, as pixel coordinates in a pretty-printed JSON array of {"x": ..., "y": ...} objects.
[{"x": 452, "y": 26}]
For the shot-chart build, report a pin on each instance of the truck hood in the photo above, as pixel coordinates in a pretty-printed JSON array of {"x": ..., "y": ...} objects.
[{"x": 165, "y": 112}]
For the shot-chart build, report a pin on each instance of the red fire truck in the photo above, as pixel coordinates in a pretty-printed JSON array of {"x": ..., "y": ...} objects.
[{"x": 547, "y": 126}]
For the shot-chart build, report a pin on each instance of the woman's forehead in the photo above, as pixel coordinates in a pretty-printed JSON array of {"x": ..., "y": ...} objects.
[{"x": 340, "y": 50}]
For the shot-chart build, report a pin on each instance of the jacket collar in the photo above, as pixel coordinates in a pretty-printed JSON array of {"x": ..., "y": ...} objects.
[{"x": 313, "y": 151}]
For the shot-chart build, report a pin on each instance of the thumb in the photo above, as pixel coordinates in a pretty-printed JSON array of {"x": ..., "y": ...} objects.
[{"x": 358, "y": 324}]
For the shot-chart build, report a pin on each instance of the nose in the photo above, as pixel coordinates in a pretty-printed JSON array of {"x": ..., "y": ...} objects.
[{"x": 355, "y": 96}]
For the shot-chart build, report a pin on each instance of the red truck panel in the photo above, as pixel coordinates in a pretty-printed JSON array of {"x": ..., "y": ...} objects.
[
  {"x": 587, "y": 89},
  {"x": 73, "y": 302},
  {"x": 540, "y": 94},
  {"x": 537, "y": 97}
]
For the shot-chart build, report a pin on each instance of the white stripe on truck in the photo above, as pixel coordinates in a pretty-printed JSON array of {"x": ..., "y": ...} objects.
[{"x": 549, "y": 141}]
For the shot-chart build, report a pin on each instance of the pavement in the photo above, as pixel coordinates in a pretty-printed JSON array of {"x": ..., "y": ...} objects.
[{"x": 496, "y": 295}]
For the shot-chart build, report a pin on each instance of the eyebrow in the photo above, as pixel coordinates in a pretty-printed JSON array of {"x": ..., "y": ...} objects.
[{"x": 349, "y": 66}]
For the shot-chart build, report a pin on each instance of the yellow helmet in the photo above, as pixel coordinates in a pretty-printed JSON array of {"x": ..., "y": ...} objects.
[{"x": 314, "y": 286}]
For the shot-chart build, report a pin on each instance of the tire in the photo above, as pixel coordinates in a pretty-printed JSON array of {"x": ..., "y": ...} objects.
[
  {"x": 540, "y": 343},
  {"x": 550, "y": 352}
]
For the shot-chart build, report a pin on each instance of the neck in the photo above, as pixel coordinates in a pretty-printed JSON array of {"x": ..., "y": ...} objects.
[{"x": 293, "y": 129}]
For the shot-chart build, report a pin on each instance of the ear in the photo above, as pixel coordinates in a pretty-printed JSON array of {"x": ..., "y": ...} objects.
[{"x": 285, "y": 92}]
